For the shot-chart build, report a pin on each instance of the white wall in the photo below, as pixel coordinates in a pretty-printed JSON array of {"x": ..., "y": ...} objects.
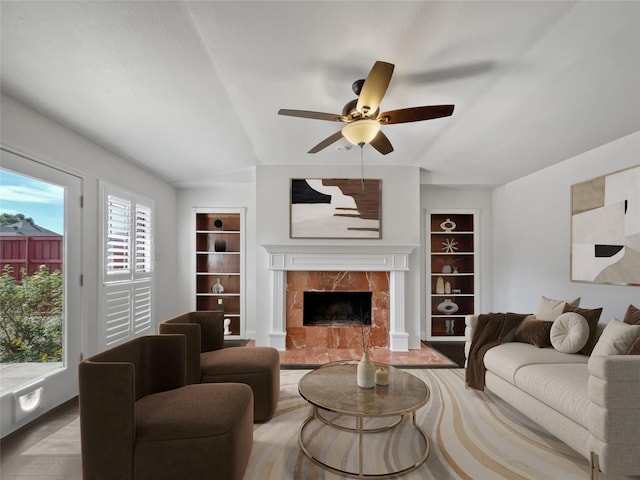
[
  {"x": 400, "y": 226},
  {"x": 40, "y": 138},
  {"x": 531, "y": 234},
  {"x": 442, "y": 197},
  {"x": 224, "y": 195}
]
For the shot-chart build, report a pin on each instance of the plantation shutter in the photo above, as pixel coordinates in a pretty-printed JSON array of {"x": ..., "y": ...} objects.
[
  {"x": 142, "y": 308},
  {"x": 143, "y": 270},
  {"x": 117, "y": 312},
  {"x": 126, "y": 296},
  {"x": 118, "y": 236},
  {"x": 144, "y": 236}
]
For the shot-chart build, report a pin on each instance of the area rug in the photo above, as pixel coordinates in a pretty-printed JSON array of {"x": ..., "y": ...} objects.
[{"x": 473, "y": 435}]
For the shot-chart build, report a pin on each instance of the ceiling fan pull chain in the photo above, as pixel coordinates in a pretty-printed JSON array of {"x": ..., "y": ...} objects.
[{"x": 362, "y": 165}]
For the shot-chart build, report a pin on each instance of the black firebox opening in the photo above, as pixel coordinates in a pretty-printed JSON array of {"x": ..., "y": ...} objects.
[{"x": 336, "y": 308}]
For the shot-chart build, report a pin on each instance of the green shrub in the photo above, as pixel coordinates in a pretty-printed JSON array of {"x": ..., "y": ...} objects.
[{"x": 31, "y": 316}]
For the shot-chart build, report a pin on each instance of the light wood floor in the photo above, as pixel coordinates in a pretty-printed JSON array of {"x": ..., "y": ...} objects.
[{"x": 17, "y": 464}]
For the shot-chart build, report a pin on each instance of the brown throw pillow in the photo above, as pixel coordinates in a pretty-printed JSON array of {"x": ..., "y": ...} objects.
[
  {"x": 635, "y": 348},
  {"x": 591, "y": 316},
  {"x": 632, "y": 316},
  {"x": 534, "y": 331}
]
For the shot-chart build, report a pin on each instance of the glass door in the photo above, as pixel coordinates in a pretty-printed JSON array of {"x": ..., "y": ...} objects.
[{"x": 40, "y": 283}]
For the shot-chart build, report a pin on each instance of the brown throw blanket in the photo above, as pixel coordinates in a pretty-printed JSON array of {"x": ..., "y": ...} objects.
[{"x": 491, "y": 329}]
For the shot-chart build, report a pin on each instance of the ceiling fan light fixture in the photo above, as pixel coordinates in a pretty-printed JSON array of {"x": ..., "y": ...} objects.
[{"x": 361, "y": 131}]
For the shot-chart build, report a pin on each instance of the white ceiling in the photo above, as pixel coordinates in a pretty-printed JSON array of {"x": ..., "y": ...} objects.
[{"x": 190, "y": 90}]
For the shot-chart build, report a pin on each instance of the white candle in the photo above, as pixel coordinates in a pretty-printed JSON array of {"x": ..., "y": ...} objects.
[{"x": 382, "y": 376}]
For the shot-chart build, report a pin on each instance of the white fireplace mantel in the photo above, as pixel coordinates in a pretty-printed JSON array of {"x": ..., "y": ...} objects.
[{"x": 387, "y": 258}]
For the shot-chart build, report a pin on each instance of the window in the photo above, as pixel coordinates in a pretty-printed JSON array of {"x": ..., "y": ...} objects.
[{"x": 127, "y": 265}]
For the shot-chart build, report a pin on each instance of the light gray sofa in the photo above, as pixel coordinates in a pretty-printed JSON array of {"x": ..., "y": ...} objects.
[{"x": 590, "y": 403}]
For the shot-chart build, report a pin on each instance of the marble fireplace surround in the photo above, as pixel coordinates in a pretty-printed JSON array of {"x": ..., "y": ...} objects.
[{"x": 336, "y": 258}]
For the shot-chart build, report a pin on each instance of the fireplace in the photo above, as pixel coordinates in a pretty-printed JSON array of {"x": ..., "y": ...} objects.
[
  {"x": 389, "y": 260},
  {"x": 369, "y": 287},
  {"x": 336, "y": 308}
]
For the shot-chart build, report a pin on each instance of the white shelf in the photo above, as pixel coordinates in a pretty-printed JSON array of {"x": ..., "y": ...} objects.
[
  {"x": 208, "y": 252},
  {"x": 459, "y": 274},
  {"x": 218, "y": 294},
  {"x": 451, "y": 253},
  {"x": 213, "y": 274},
  {"x": 453, "y": 294}
]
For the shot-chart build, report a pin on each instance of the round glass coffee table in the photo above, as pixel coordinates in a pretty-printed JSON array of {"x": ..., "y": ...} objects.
[{"x": 332, "y": 388}]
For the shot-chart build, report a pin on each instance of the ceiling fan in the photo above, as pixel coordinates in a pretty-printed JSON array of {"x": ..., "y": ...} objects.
[{"x": 362, "y": 115}]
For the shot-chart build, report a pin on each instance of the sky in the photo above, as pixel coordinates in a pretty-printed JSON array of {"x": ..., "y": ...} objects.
[{"x": 42, "y": 201}]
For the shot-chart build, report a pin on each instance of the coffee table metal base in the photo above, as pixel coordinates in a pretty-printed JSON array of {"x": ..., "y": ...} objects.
[{"x": 361, "y": 431}]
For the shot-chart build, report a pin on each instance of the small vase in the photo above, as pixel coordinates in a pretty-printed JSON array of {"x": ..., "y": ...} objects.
[
  {"x": 440, "y": 285},
  {"x": 446, "y": 269},
  {"x": 448, "y": 225},
  {"x": 217, "y": 288},
  {"x": 450, "y": 324},
  {"x": 220, "y": 245},
  {"x": 448, "y": 306},
  {"x": 366, "y": 372}
]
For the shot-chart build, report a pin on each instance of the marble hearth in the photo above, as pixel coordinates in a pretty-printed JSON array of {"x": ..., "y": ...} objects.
[{"x": 380, "y": 269}]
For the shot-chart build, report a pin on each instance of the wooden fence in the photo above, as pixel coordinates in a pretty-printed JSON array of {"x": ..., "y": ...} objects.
[{"x": 30, "y": 253}]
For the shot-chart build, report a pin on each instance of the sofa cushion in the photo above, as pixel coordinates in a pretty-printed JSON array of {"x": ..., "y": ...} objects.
[
  {"x": 562, "y": 387},
  {"x": 232, "y": 361},
  {"x": 591, "y": 316},
  {"x": 550, "y": 309},
  {"x": 617, "y": 338},
  {"x": 505, "y": 360},
  {"x": 569, "y": 332},
  {"x": 632, "y": 316},
  {"x": 534, "y": 331}
]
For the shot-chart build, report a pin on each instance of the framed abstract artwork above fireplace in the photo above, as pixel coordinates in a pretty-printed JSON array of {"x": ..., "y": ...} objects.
[{"x": 335, "y": 208}]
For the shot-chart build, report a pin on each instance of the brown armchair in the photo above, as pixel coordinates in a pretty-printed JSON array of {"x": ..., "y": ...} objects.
[
  {"x": 209, "y": 362},
  {"x": 139, "y": 420}
]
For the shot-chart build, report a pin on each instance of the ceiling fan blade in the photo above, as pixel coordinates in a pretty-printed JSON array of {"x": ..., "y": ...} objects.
[
  {"x": 415, "y": 114},
  {"x": 374, "y": 88},
  {"x": 326, "y": 142},
  {"x": 381, "y": 143},
  {"x": 332, "y": 117}
]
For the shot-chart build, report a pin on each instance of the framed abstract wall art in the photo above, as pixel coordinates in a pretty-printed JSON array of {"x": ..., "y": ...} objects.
[
  {"x": 605, "y": 229},
  {"x": 335, "y": 208}
]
